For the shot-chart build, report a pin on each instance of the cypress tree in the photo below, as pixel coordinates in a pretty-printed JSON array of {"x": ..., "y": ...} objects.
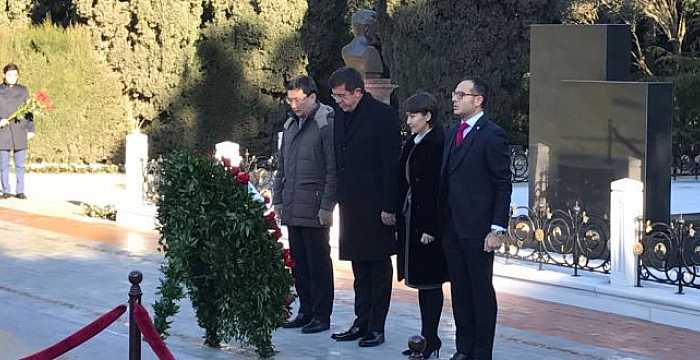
[{"x": 433, "y": 44}]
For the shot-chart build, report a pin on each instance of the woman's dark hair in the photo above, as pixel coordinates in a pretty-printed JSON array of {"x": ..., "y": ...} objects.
[{"x": 422, "y": 102}]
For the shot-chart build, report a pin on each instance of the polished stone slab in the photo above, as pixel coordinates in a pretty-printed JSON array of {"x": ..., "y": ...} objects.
[{"x": 590, "y": 126}]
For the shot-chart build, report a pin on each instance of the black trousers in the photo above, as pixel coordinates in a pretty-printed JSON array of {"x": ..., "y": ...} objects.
[
  {"x": 372, "y": 293},
  {"x": 313, "y": 270},
  {"x": 473, "y": 298}
]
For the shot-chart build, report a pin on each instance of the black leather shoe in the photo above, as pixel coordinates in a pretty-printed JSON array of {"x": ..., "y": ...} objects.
[
  {"x": 353, "y": 333},
  {"x": 300, "y": 321},
  {"x": 373, "y": 338},
  {"x": 5, "y": 196},
  {"x": 459, "y": 356},
  {"x": 315, "y": 326},
  {"x": 21, "y": 196}
]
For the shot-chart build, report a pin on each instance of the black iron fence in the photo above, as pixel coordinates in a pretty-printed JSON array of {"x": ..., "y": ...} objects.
[
  {"x": 570, "y": 238},
  {"x": 669, "y": 253},
  {"x": 683, "y": 165},
  {"x": 518, "y": 163}
]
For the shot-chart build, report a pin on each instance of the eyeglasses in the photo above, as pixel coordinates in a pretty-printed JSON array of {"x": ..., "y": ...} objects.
[
  {"x": 339, "y": 97},
  {"x": 291, "y": 101},
  {"x": 460, "y": 94}
]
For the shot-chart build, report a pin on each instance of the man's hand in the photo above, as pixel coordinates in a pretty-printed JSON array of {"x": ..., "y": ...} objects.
[
  {"x": 325, "y": 217},
  {"x": 3, "y": 122},
  {"x": 388, "y": 219},
  {"x": 30, "y": 135},
  {"x": 426, "y": 239},
  {"x": 493, "y": 241}
]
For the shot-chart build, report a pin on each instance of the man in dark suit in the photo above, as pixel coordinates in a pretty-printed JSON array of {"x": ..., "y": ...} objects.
[
  {"x": 367, "y": 146},
  {"x": 475, "y": 195}
]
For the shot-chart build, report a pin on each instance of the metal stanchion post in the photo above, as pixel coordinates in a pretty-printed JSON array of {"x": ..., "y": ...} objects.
[{"x": 135, "y": 278}]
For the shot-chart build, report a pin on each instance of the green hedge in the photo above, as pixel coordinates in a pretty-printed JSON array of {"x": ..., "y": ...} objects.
[
  {"x": 201, "y": 71},
  {"x": 234, "y": 90},
  {"x": 90, "y": 122},
  {"x": 196, "y": 72}
]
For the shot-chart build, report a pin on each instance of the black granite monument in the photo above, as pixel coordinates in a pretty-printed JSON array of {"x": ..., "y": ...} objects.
[{"x": 589, "y": 125}]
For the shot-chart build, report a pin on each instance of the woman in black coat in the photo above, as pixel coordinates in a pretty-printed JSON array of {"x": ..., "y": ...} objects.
[{"x": 421, "y": 261}]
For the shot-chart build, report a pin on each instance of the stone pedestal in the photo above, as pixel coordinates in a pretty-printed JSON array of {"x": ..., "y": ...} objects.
[
  {"x": 133, "y": 211},
  {"x": 626, "y": 208},
  {"x": 380, "y": 89},
  {"x": 229, "y": 150},
  {"x": 139, "y": 216}
]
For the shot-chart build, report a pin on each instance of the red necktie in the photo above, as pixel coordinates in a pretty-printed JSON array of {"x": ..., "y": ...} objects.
[{"x": 459, "y": 136}]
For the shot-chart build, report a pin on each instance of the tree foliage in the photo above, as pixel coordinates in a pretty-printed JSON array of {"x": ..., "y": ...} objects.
[
  {"x": 234, "y": 89},
  {"x": 195, "y": 72},
  {"x": 325, "y": 30},
  {"x": 666, "y": 47},
  {"x": 88, "y": 124},
  {"x": 432, "y": 45}
]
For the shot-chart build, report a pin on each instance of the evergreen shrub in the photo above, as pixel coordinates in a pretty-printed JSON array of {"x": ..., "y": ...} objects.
[
  {"x": 220, "y": 251},
  {"x": 89, "y": 123}
]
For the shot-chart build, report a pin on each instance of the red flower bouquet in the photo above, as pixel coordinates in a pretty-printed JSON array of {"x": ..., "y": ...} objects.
[{"x": 37, "y": 103}]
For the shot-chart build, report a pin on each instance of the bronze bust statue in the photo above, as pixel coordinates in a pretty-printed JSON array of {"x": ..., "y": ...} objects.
[{"x": 360, "y": 53}]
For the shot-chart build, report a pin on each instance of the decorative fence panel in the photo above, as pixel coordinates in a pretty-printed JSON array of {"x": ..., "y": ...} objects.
[
  {"x": 570, "y": 238},
  {"x": 670, "y": 253}
]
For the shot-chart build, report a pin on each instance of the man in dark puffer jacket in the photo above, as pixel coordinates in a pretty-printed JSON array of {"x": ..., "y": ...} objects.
[{"x": 304, "y": 197}]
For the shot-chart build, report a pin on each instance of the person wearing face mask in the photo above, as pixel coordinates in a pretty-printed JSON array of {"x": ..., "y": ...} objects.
[
  {"x": 421, "y": 260},
  {"x": 15, "y": 133}
]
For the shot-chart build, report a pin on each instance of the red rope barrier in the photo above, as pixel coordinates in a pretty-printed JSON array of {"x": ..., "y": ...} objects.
[
  {"x": 79, "y": 337},
  {"x": 150, "y": 334}
]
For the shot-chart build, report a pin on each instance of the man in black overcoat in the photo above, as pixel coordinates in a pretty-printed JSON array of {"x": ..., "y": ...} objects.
[{"x": 367, "y": 147}]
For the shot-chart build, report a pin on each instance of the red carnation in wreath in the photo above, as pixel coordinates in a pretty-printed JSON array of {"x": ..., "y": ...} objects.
[
  {"x": 288, "y": 260},
  {"x": 242, "y": 178}
]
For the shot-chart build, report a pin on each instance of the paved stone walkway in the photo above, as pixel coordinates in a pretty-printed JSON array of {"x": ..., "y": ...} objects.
[{"x": 58, "y": 274}]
